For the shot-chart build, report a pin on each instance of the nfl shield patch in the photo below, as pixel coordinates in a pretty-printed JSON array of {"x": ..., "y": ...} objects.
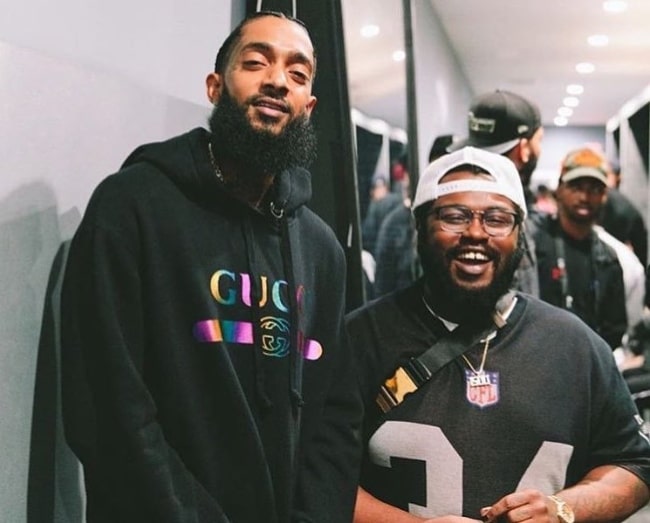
[{"x": 482, "y": 389}]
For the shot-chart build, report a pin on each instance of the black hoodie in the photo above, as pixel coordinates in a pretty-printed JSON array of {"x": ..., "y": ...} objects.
[{"x": 205, "y": 378}]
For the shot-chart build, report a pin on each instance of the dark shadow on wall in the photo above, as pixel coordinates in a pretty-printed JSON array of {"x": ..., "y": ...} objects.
[{"x": 53, "y": 490}]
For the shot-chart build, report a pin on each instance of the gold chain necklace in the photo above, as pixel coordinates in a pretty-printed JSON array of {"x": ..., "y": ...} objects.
[
  {"x": 214, "y": 163},
  {"x": 483, "y": 358},
  {"x": 487, "y": 339}
]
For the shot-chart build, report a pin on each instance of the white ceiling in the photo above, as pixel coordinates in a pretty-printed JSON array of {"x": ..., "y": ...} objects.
[{"x": 529, "y": 47}]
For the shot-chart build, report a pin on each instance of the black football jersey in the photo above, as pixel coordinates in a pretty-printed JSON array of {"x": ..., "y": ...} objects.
[{"x": 549, "y": 406}]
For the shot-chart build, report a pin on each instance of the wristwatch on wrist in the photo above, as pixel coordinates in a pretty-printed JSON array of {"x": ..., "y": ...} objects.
[{"x": 563, "y": 510}]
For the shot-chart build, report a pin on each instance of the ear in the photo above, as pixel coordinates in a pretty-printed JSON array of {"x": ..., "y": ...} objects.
[
  {"x": 213, "y": 87},
  {"x": 524, "y": 150},
  {"x": 516, "y": 154},
  {"x": 310, "y": 105}
]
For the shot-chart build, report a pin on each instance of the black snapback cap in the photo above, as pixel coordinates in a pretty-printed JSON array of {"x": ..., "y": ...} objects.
[{"x": 498, "y": 120}]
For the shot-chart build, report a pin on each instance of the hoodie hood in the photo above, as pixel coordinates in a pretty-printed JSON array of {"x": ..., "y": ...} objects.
[{"x": 185, "y": 160}]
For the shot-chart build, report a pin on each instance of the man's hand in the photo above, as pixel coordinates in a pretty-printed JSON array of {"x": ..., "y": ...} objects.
[
  {"x": 451, "y": 519},
  {"x": 526, "y": 505}
]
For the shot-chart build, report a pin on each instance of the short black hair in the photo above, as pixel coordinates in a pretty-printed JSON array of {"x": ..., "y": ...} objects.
[
  {"x": 225, "y": 51},
  {"x": 440, "y": 145}
]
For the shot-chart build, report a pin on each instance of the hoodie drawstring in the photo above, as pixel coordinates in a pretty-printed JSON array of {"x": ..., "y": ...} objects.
[
  {"x": 260, "y": 385},
  {"x": 296, "y": 346},
  {"x": 296, "y": 349},
  {"x": 277, "y": 207}
]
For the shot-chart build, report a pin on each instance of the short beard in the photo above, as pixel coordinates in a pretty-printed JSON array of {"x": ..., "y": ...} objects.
[
  {"x": 260, "y": 152},
  {"x": 526, "y": 171},
  {"x": 472, "y": 307}
]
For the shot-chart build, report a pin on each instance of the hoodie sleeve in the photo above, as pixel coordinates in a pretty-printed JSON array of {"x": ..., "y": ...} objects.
[
  {"x": 110, "y": 418},
  {"x": 329, "y": 473},
  {"x": 330, "y": 442}
]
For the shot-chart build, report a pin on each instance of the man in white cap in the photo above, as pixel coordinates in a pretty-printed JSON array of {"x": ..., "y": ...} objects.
[
  {"x": 480, "y": 402},
  {"x": 508, "y": 124}
]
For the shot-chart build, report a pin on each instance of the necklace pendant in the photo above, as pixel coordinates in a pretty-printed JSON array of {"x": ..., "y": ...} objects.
[
  {"x": 482, "y": 388},
  {"x": 477, "y": 379}
]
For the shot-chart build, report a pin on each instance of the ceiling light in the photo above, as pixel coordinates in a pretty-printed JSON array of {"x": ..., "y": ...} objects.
[
  {"x": 614, "y": 6},
  {"x": 565, "y": 111},
  {"x": 585, "y": 67},
  {"x": 399, "y": 55},
  {"x": 571, "y": 101},
  {"x": 598, "y": 40},
  {"x": 370, "y": 30},
  {"x": 560, "y": 121},
  {"x": 574, "y": 89}
]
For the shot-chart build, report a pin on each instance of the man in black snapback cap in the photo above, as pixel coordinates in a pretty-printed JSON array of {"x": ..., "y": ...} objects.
[{"x": 506, "y": 123}]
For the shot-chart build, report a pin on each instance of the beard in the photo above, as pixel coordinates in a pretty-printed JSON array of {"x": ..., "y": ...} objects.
[
  {"x": 579, "y": 218},
  {"x": 467, "y": 305},
  {"x": 526, "y": 170},
  {"x": 260, "y": 152}
]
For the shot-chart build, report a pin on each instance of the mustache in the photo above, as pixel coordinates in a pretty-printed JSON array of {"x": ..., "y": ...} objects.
[{"x": 271, "y": 94}]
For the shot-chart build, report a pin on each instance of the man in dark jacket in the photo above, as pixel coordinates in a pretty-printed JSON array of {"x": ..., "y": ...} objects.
[
  {"x": 622, "y": 219},
  {"x": 577, "y": 270},
  {"x": 205, "y": 377}
]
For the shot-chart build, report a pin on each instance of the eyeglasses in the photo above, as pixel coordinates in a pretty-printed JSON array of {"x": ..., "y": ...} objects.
[{"x": 457, "y": 219}]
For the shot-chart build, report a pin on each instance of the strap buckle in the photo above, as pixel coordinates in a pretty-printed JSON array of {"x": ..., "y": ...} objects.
[{"x": 407, "y": 379}]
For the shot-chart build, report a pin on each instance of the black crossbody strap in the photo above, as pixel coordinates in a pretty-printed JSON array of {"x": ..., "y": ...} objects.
[
  {"x": 567, "y": 299},
  {"x": 415, "y": 372}
]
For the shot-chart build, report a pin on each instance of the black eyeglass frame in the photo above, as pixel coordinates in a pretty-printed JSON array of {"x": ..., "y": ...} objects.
[{"x": 469, "y": 215}]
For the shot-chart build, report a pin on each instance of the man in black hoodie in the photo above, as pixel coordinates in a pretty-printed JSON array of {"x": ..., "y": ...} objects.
[{"x": 205, "y": 377}]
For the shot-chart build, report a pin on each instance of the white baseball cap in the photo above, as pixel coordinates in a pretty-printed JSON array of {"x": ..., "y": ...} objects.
[{"x": 505, "y": 182}]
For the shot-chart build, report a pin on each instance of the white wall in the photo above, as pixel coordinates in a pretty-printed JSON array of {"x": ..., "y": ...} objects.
[
  {"x": 443, "y": 92},
  {"x": 82, "y": 83},
  {"x": 167, "y": 45}
]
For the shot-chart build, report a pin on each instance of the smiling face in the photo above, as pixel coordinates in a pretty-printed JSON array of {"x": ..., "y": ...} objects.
[
  {"x": 469, "y": 270},
  {"x": 269, "y": 74}
]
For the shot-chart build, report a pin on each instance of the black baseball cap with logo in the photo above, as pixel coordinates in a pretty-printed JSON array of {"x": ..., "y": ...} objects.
[{"x": 498, "y": 120}]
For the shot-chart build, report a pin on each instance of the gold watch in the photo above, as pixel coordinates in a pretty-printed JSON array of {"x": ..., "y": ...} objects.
[{"x": 563, "y": 510}]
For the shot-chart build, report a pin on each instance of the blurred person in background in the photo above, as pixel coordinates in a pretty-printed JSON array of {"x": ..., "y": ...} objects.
[
  {"x": 545, "y": 200},
  {"x": 386, "y": 195},
  {"x": 577, "y": 270},
  {"x": 621, "y": 218},
  {"x": 397, "y": 264}
]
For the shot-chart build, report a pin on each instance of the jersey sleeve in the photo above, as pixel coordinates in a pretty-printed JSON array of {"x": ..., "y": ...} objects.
[{"x": 618, "y": 433}]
